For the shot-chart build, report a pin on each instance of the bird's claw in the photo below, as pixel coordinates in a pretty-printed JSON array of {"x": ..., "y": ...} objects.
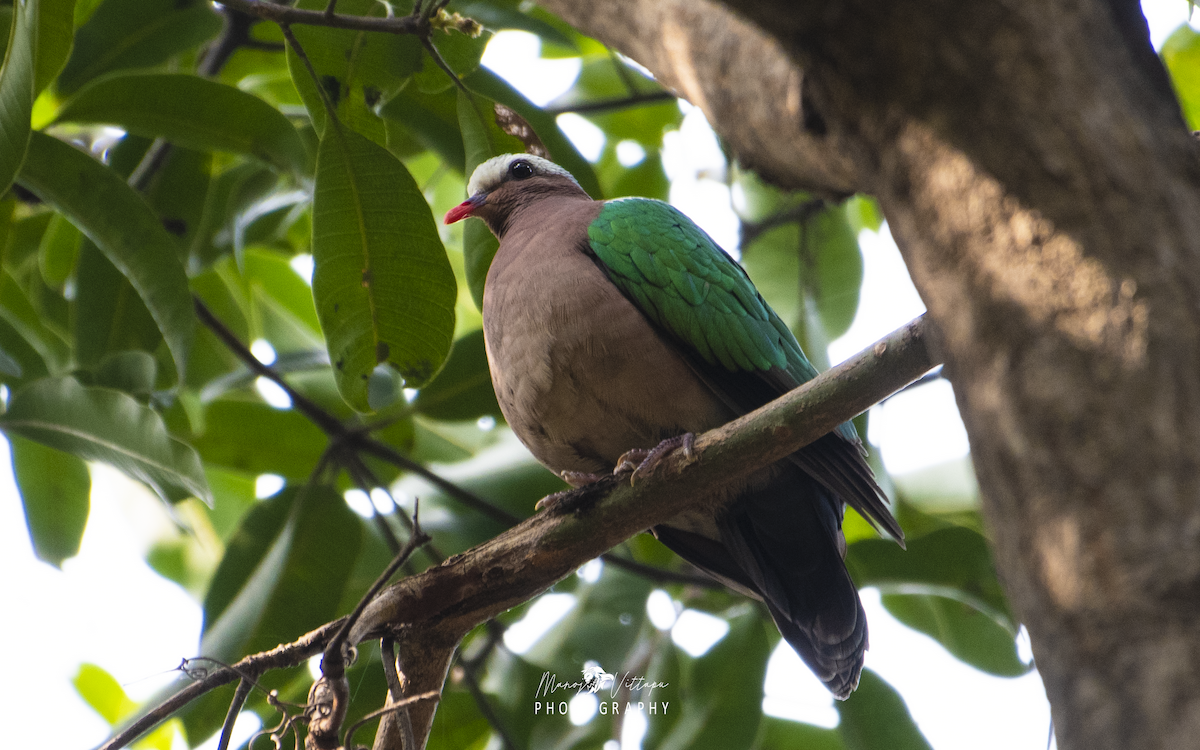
[
  {"x": 640, "y": 461},
  {"x": 576, "y": 479}
]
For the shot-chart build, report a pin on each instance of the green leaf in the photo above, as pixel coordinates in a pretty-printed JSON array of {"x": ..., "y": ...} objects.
[
  {"x": 103, "y": 693},
  {"x": 430, "y": 119},
  {"x": 124, "y": 34},
  {"x": 56, "y": 32},
  {"x": 782, "y": 734},
  {"x": 357, "y": 70},
  {"x": 384, "y": 288},
  {"x": 116, "y": 218},
  {"x": 190, "y": 111},
  {"x": 16, "y": 90},
  {"x": 723, "y": 706},
  {"x": 875, "y": 717},
  {"x": 19, "y": 362},
  {"x": 54, "y": 489},
  {"x": 970, "y": 635},
  {"x": 463, "y": 389},
  {"x": 282, "y": 574},
  {"x": 18, "y": 311},
  {"x": 945, "y": 586},
  {"x": 831, "y": 246},
  {"x": 98, "y": 424},
  {"x": 270, "y": 274},
  {"x": 257, "y": 439},
  {"x": 1181, "y": 53},
  {"x": 58, "y": 251},
  {"x": 131, "y": 371},
  {"x": 109, "y": 316}
]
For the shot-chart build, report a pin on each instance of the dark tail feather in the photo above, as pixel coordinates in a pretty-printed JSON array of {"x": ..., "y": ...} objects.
[{"x": 784, "y": 538}]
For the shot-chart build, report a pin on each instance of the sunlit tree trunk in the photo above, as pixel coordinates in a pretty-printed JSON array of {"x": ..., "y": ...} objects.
[{"x": 1037, "y": 175}]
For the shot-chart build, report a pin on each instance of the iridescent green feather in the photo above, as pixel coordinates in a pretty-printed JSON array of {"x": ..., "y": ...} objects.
[
  {"x": 697, "y": 292},
  {"x": 687, "y": 284}
]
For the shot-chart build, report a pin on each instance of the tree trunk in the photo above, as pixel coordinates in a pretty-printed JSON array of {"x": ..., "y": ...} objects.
[{"x": 1038, "y": 177}]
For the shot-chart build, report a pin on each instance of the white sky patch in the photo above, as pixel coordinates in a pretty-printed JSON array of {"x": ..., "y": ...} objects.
[
  {"x": 633, "y": 729},
  {"x": 244, "y": 727},
  {"x": 545, "y": 612},
  {"x": 266, "y": 485},
  {"x": 514, "y": 56},
  {"x": 582, "y": 708},
  {"x": 263, "y": 351},
  {"x": 630, "y": 153},
  {"x": 272, "y": 393},
  {"x": 1163, "y": 17},
  {"x": 661, "y": 609},
  {"x": 303, "y": 265},
  {"x": 696, "y": 632},
  {"x": 382, "y": 501},
  {"x": 791, "y": 691},
  {"x": 978, "y": 710},
  {"x": 359, "y": 502},
  {"x": 590, "y": 571},
  {"x": 588, "y": 138},
  {"x": 919, "y": 428},
  {"x": 693, "y": 161}
]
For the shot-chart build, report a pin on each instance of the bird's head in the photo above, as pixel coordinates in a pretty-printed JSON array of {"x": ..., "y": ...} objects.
[{"x": 503, "y": 183}]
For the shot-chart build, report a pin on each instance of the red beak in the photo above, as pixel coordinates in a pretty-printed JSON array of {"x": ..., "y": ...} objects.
[{"x": 465, "y": 209}]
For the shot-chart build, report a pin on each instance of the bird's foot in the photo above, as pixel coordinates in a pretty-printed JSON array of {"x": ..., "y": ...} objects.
[
  {"x": 576, "y": 479},
  {"x": 640, "y": 461}
]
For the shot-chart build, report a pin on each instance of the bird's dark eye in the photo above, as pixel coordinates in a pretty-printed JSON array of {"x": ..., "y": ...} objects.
[{"x": 520, "y": 170}]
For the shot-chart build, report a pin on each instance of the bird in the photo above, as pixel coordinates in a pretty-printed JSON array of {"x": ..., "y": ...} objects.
[{"x": 618, "y": 329}]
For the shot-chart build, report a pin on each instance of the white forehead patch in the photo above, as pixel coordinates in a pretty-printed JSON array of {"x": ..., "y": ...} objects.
[{"x": 491, "y": 173}]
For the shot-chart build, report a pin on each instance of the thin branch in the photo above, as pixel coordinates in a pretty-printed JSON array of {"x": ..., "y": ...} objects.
[
  {"x": 659, "y": 575},
  {"x": 608, "y": 105},
  {"x": 801, "y": 212},
  {"x": 235, "y": 707},
  {"x": 403, "y": 704},
  {"x": 466, "y": 497},
  {"x": 285, "y": 15},
  {"x": 332, "y": 664},
  {"x": 285, "y": 655},
  {"x": 328, "y": 423}
]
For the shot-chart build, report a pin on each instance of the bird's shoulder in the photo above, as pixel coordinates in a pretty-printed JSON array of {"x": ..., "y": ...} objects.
[{"x": 683, "y": 281}]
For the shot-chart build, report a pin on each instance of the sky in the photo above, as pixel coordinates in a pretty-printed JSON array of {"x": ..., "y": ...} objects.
[{"x": 107, "y": 607}]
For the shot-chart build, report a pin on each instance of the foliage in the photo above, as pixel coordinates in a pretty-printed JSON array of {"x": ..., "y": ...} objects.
[{"x": 105, "y": 246}]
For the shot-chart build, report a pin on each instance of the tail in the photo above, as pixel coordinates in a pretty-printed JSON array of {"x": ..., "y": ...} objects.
[{"x": 783, "y": 543}]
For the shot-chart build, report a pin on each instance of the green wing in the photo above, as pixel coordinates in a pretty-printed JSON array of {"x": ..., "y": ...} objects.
[{"x": 685, "y": 283}]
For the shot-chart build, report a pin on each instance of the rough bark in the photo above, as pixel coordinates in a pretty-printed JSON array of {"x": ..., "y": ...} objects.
[{"x": 1035, "y": 170}]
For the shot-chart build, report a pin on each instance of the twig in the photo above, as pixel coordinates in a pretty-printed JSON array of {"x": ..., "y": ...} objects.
[
  {"x": 286, "y": 655},
  {"x": 235, "y": 34},
  {"x": 801, "y": 212},
  {"x": 235, "y": 708},
  {"x": 328, "y": 423},
  {"x": 402, "y": 704},
  {"x": 153, "y": 160},
  {"x": 659, "y": 575},
  {"x": 332, "y": 665},
  {"x": 285, "y": 15},
  {"x": 610, "y": 104}
]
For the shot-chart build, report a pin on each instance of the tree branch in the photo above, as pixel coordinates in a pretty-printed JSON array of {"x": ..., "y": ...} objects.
[
  {"x": 285, "y": 15},
  {"x": 442, "y": 604},
  {"x": 285, "y": 655}
]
